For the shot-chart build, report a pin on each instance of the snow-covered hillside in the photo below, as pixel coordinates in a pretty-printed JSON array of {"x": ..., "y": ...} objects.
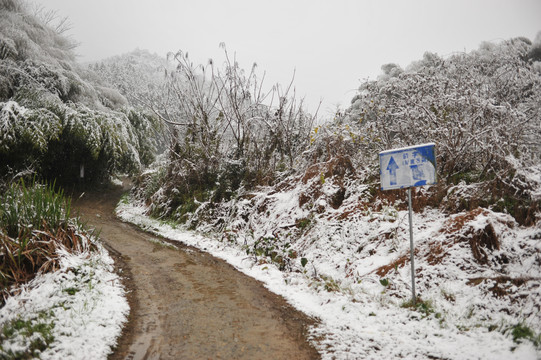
[
  {"x": 322, "y": 233},
  {"x": 344, "y": 259}
]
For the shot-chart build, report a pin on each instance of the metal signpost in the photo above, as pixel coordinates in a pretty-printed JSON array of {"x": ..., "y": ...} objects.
[{"x": 405, "y": 168}]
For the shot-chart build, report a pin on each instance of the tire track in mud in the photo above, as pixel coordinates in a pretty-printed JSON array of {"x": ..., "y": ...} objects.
[{"x": 186, "y": 304}]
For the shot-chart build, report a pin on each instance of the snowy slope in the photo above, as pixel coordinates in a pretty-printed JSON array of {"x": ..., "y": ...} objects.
[{"x": 347, "y": 263}]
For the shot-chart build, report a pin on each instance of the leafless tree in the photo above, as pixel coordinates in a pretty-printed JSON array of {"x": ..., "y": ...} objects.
[{"x": 223, "y": 115}]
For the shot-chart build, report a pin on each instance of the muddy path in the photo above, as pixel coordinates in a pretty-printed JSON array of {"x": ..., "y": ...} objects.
[{"x": 186, "y": 304}]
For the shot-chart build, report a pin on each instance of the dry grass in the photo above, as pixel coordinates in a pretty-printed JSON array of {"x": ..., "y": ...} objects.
[
  {"x": 457, "y": 223},
  {"x": 481, "y": 241},
  {"x": 337, "y": 166},
  {"x": 501, "y": 285},
  {"x": 382, "y": 271},
  {"x": 35, "y": 228},
  {"x": 22, "y": 259}
]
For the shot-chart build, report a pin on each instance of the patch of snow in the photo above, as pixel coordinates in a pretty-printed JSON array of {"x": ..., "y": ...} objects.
[
  {"x": 84, "y": 303},
  {"x": 116, "y": 181}
]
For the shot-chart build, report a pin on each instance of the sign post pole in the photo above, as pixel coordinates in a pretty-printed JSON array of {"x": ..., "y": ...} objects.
[
  {"x": 405, "y": 168},
  {"x": 411, "y": 250}
]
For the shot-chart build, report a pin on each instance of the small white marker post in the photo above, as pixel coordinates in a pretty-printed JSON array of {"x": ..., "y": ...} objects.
[{"x": 405, "y": 168}]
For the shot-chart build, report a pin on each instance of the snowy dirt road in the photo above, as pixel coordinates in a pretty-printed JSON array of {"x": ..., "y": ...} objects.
[{"x": 186, "y": 304}]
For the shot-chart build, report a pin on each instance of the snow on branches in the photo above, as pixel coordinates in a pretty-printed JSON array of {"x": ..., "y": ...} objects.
[{"x": 480, "y": 108}]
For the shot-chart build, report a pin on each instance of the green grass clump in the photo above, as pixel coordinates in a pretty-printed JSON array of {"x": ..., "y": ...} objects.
[
  {"x": 38, "y": 329},
  {"x": 521, "y": 332},
  {"x": 24, "y": 209},
  {"x": 34, "y": 223},
  {"x": 425, "y": 307}
]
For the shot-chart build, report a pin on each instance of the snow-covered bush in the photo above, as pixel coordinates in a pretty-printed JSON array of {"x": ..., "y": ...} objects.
[
  {"x": 59, "y": 296},
  {"x": 105, "y": 139},
  {"x": 228, "y": 133},
  {"x": 57, "y": 139},
  {"x": 482, "y": 109},
  {"x": 32, "y": 38},
  {"x": 35, "y": 227},
  {"x": 150, "y": 134},
  {"x": 138, "y": 75},
  {"x": 26, "y": 127}
]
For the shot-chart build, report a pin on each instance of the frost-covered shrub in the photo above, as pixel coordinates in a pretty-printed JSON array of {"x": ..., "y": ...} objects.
[
  {"x": 480, "y": 108},
  {"x": 103, "y": 142},
  {"x": 57, "y": 139},
  {"x": 150, "y": 134},
  {"x": 228, "y": 133},
  {"x": 138, "y": 75},
  {"x": 8, "y": 49},
  {"x": 34, "y": 73},
  {"x": 535, "y": 51},
  {"x": 31, "y": 37},
  {"x": 25, "y": 135},
  {"x": 111, "y": 98},
  {"x": 35, "y": 128}
]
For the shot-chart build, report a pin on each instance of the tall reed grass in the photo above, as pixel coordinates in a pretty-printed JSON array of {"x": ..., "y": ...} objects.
[
  {"x": 34, "y": 223},
  {"x": 26, "y": 208}
]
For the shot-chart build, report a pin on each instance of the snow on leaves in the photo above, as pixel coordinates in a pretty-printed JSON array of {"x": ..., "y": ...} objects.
[{"x": 18, "y": 124}]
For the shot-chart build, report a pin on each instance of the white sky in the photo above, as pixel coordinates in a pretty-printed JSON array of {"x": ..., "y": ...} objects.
[{"x": 332, "y": 44}]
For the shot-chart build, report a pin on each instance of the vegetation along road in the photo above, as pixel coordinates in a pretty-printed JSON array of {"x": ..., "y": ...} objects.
[{"x": 187, "y": 304}]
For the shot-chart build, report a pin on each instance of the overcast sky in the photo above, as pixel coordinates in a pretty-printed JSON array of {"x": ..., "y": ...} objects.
[{"x": 332, "y": 44}]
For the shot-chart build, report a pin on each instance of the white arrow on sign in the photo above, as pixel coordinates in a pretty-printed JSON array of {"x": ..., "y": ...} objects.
[{"x": 392, "y": 170}]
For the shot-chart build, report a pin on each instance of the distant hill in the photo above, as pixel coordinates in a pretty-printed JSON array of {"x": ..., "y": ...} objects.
[{"x": 136, "y": 75}]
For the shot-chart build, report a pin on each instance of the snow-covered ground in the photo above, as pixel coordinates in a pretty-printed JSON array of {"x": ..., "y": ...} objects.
[
  {"x": 349, "y": 267},
  {"x": 82, "y": 306},
  {"x": 477, "y": 274}
]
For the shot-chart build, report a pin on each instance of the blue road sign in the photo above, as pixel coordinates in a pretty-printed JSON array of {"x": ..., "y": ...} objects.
[{"x": 407, "y": 167}]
